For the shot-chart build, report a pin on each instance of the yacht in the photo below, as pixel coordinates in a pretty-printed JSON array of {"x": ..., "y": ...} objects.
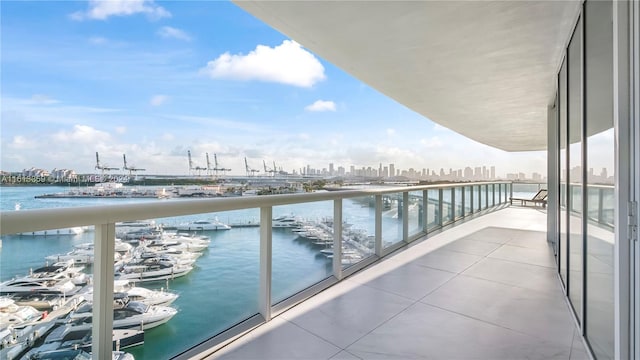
[
  {"x": 203, "y": 225},
  {"x": 151, "y": 269},
  {"x": 40, "y": 301},
  {"x": 128, "y": 289},
  {"x": 162, "y": 244},
  {"x": 132, "y": 315},
  {"x": 12, "y": 314},
  {"x": 75, "y": 354},
  {"x": 286, "y": 221},
  {"x": 59, "y": 278},
  {"x": 70, "y": 337}
]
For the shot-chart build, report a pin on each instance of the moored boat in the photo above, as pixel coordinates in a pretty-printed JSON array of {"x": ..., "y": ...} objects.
[{"x": 203, "y": 225}]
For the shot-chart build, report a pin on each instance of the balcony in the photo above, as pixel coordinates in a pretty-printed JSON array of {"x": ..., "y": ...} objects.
[
  {"x": 464, "y": 279},
  {"x": 486, "y": 288}
]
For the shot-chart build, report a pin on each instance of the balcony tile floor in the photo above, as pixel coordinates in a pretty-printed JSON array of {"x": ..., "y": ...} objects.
[{"x": 484, "y": 289}]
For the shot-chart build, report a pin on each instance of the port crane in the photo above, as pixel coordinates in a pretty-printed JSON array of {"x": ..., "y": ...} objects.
[
  {"x": 131, "y": 168},
  {"x": 267, "y": 170},
  {"x": 105, "y": 167},
  {"x": 191, "y": 167},
  {"x": 250, "y": 171},
  {"x": 218, "y": 168}
]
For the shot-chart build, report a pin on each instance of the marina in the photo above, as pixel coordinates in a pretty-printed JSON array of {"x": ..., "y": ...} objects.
[{"x": 221, "y": 279}]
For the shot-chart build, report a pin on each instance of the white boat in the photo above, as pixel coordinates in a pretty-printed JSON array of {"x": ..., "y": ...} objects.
[
  {"x": 286, "y": 222},
  {"x": 71, "y": 337},
  {"x": 14, "y": 315},
  {"x": 59, "y": 278},
  {"x": 187, "y": 238},
  {"x": 138, "y": 225},
  {"x": 44, "y": 285},
  {"x": 84, "y": 253},
  {"x": 77, "y": 354},
  {"x": 151, "y": 269},
  {"x": 39, "y": 301},
  {"x": 144, "y": 295},
  {"x": 203, "y": 225},
  {"x": 177, "y": 256},
  {"x": 119, "y": 246},
  {"x": 129, "y": 290},
  {"x": 164, "y": 244},
  {"x": 133, "y": 315}
]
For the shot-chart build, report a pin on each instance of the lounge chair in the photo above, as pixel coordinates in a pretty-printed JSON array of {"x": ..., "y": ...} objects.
[{"x": 539, "y": 198}]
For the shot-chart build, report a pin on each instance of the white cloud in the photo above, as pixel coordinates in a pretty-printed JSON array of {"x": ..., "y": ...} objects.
[
  {"x": 169, "y": 32},
  {"x": 432, "y": 142},
  {"x": 82, "y": 134},
  {"x": 391, "y": 132},
  {"x": 287, "y": 63},
  {"x": 438, "y": 127},
  {"x": 321, "y": 105},
  {"x": 20, "y": 143},
  {"x": 103, "y": 9},
  {"x": 158, "y": 100},
  {"x": 121, "y": 129}
]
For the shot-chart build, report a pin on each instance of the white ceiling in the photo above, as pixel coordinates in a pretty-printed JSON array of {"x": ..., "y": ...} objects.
[{"x": 485, "y": 69}]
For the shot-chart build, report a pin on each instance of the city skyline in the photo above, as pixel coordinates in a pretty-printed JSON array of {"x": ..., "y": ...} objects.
[{"x": 384, "y": 171}]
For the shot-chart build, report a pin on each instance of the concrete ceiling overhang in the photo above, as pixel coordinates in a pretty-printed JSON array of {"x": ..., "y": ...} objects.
[{"x": 485, "y": 69}]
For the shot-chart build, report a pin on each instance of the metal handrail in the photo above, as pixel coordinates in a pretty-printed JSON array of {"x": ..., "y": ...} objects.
[{"x": 12, "y": 222}]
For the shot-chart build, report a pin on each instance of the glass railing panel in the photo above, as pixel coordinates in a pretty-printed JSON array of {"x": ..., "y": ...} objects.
[
  {"x": 468, "y": 200},
  {"x": 447, "y": 205},
  {"x": 492, "y": 194},
  {"x": 391, "y": 219},
  {"x": 527, "y": 190},
  {"x": 358, "y": 229},
  {"x": 416, "y": 212},
  {"x": 302, "y": 247},
  {"x": 433, "y": 209},
  {"x": 593, "y": 204},
  {"x": 458, "y": 202},
  {"x": 476, "y": 198},
  {"x": 485, "y": 196},
  {"x": 576, "y": 198},
  {"x": 228, "y": 268},
  {"x": 608, "y": 206}
]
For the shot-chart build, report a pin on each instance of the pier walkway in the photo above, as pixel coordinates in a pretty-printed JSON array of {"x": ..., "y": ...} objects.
[{"x": 486, "y": 288}]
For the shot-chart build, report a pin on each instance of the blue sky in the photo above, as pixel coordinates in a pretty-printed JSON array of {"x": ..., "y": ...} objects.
[{"x": 155, "y": 79}]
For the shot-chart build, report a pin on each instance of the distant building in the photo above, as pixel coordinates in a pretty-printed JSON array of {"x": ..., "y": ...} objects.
[{"x": 33, "y": 172}]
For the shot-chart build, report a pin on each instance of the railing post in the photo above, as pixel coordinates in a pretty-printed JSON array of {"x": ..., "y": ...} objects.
[
  {"x": 405, "y": 216},
  {"x": 378, "y": 225},
  {"x": 441, "y": 206},
  {"x": 102, "y": 331},
  {"x": 510, "y": 191},
  {"x": 452, "y": 191},
  {"x": 264, "y": 302},
  {"x": 337, "y": 238}
]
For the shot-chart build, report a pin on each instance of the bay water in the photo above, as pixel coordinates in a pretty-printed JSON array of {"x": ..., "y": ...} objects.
[{"x": 222, "y": 290}]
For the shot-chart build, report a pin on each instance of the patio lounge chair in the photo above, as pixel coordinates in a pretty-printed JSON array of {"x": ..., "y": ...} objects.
[{"x": 539, "y": 198}]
